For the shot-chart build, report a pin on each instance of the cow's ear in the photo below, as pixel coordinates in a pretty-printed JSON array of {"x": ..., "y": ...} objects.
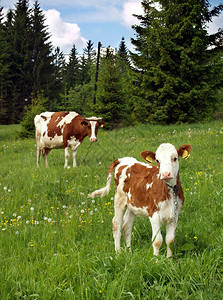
[
  {"x": 148, "y": 156},
  {"x": 184, "y": 151},
  {"x": 102, "y": 124},
  {"x": 84, "y": 123}
]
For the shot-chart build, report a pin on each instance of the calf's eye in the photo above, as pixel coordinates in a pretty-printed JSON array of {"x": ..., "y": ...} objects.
[
  {"x": 157, "y": 161},
  {"x": 175, "y": 159}
]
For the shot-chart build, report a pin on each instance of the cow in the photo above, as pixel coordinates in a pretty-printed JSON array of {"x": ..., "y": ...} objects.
[
  {"x": 147, "y": 190},
  {"x": 62, "y": 130}
]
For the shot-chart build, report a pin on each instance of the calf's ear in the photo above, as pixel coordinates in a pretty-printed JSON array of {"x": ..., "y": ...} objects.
[
  {"x": 84, "y": 123},
  {"x": 102, "y": 124},
  {"x": 148, "y": 156},
  {"x": 184, "y": 151}
]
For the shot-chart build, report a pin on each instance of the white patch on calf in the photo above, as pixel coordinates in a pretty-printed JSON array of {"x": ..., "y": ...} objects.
[
  {"x": 167, "y": 156},
  {"x": 73, "y": 143},
  {"x": 93, "y": 127},
  {"x": 149, "y": 185},
  {"x": 138, "y": 211}
]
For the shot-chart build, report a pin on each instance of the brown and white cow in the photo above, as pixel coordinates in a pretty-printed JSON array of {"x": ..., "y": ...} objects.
[
  {"x": 62, "y": 130},
  {"x": 149, "y": 191}
]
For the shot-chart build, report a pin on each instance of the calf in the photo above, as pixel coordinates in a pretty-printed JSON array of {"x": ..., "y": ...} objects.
[
  {"x": 62, "y": 130},
  {"x": 148, "y": 191}
]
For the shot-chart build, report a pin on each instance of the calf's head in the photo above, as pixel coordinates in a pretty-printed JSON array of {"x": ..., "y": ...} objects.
[
  {"x": 92, "y": 124},
  {"x": 167, "y": 157}
]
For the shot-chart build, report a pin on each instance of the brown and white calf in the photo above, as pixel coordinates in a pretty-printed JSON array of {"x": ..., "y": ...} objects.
[
  {"x": 148, "y": 191},
  {"x": 62, "y": 130}
]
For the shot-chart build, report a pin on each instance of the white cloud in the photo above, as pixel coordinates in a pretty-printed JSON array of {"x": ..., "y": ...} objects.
[
  {"x": 64, "y": 35},
  {"x": 129, "y": 8},
  {"x": 217, "y": 22}
]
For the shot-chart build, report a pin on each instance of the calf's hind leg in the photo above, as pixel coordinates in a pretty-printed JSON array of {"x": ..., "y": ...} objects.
[
  {"x": 120, "y": 204},
  {"x": 129, "y": 218}
]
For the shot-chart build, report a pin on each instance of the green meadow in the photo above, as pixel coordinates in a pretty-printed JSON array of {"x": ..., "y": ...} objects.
[{"x": 56, "y": 243}]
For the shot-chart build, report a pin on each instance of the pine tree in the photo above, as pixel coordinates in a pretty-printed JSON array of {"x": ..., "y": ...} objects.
[
  {"x": 9, "y": 91},
  {"x": 126, "y": 79},
  {"x": 109, "y": 93},
  {"x": 175, "y": 66},
  {"x": 41, "y": 58},
  {"x": 4, "y": 73},
  {"x": 87, "y": 63},
  {"x": 21, "y": 44},
  {"x": 72, "y": 69}
]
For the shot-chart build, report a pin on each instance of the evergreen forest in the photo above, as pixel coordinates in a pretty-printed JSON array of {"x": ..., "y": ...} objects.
[{"x": 175, "y": 74}]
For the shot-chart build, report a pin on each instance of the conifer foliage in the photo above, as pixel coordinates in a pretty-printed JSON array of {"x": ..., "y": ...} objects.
[
  {"x": 174, "y": 74},
  {"x": 177, "y": 61}
]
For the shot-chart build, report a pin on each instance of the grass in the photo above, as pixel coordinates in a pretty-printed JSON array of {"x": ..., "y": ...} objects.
[{"x": 55, "y": 243}]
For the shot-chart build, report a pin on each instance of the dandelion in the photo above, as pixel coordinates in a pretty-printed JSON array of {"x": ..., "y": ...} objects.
[
  {"x": 91, "y": 212},
  {"x": 3, "y": 229},
  {"x": 45, "y": 218},
  {"x": 9, "y": 190},
  {"x": 195, "y": 237},
  {"x": 82, "y": 211},
  {"x": 49, "y": 220},
  {"x": 14, "y": 215},
  {"x": 5, "y": 188},
  {"x": 32, "y": 208},
  {"x": 27, "y": 222},
  {"x": 93, "y": 201},
  {"x": 17, "y": 232},
  {"x": 19, "y": 217},
  {"x": 64, "y": 206},
  {"x": 82, "y": 194}
]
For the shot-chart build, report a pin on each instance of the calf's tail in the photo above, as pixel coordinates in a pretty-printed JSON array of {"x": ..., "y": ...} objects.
[{"x": 105, "y": 190}]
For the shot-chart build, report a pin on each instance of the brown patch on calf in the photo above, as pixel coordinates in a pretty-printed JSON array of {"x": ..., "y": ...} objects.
[
  {"x": 120, "y": 169},
  {"x": 75, "y": 128},
  {"x": 53, "y": 127},
  {"x": 137, "y": 178},
  {"x": 46, "y": 151}
]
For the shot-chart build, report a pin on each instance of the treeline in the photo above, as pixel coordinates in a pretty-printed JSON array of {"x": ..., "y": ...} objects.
[{"x": 174, "y": 75}]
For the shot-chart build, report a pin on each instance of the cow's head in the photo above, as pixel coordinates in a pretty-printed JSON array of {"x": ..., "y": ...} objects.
[
  {"x": 167, "y": 157},
  {"x": 92, "y": 124}
]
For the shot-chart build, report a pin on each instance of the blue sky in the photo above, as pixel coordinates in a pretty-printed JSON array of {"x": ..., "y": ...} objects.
[{"x": 76, "y": 21}]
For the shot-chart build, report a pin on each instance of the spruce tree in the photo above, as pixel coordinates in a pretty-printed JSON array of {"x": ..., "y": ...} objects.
[
  {"x": 176, "y": 61},
  {"x": 20, "y": 43},
  {"x": 41, "y": 58},
  {"x": 4, "y": 73},
  {"x": 126, "y": 79},
  {"x": 110, "y": 98},
  {"x": 72, "y": 69}
]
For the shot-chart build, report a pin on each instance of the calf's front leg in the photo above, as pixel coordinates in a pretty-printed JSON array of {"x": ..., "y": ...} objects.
[
  {"x": 157, "y": 238},
  {"x": 170, "y": 236},
  {"x": 67, "y": 155}
]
